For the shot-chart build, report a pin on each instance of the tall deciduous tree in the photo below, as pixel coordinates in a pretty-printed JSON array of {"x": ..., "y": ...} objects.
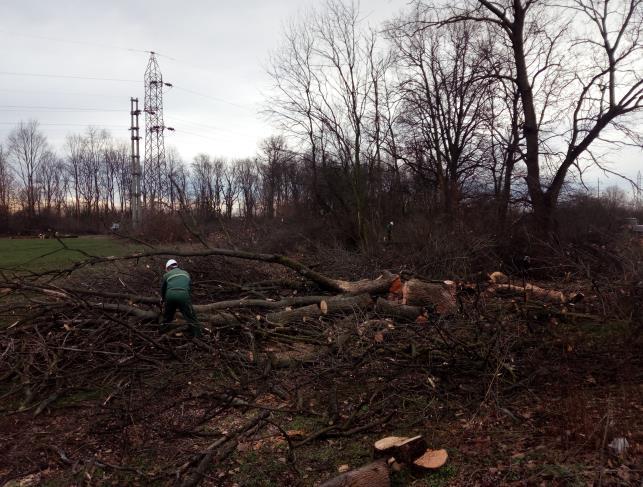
[
  {"x": 577, "y": 69},
  {"x": 446, "y": 99},
  {"x": 27, "y": 146}
]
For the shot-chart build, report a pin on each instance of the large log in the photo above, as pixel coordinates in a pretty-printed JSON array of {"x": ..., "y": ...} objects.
[
  {"x": 219, "y": 319},
  {"x": 304, "y": 313},
  {"x": 344, "y": 304},
  {"x": 400, "y": 311},
  {"x": 329, "y": 305},
  {"x": 439, "y": 295},
  {"x": 374, "y": 474},
  {"x": 260, "y": 303}
]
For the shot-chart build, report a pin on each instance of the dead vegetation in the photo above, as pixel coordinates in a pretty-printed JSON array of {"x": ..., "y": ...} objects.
[{"x": 299, "y": 373}]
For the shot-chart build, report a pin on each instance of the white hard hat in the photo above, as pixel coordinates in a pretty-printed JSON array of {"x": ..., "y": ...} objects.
[{"x": 170, "y": 263}]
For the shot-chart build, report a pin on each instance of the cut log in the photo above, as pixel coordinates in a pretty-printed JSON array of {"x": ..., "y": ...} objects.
[
  {"x": 343, "y": 304},
  {"x": 396, "y": 287},
  {"x": 431, "y": 460},
  {"x": 531, "y": 291},
  {"x": 400, "y": 311},
  {"x": 327, "y": 305},
  {"x": 404, "y": 450},
  {"x": 440, "y": 296},
  {"x": 374, "y": 474},
  {"x": 381, "y": 285},
  {"x": 385, "y": 445},
  {"x": 410, "y": 450},
  {"x": 498, "y": 278},
  {"x": 219, "y": 319},
  {"x": 260, "y": 303},
  {"x": 304, "y": 313}
]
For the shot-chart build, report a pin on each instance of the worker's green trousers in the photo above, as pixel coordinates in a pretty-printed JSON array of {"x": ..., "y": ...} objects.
[{"x": 179, "y": 299}]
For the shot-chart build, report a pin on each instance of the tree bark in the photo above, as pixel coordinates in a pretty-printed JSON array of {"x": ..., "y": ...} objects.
[
  {"x": 440, "y": 296},
  {"x": 374, "y": 474},
  {"x": 400, "y": 311}
]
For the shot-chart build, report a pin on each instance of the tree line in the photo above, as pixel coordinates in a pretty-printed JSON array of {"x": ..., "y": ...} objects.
[{"x": 502, "y": 105}]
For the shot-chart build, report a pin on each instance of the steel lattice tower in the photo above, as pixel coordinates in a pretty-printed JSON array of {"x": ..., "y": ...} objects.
[{"x": 154, "y": 132}]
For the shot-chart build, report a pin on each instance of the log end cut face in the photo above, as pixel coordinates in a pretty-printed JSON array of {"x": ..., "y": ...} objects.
[
  {"x": 389, "y": 442},
  {"x": 432, "y": 459}
]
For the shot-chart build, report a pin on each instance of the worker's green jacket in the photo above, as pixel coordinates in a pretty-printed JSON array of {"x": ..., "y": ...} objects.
[{"x": 177, "y": 285}]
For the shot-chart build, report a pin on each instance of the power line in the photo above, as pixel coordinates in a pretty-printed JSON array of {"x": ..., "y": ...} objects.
[
  {"x": 14, "y": 108},
  {"x": 75, "y": 93},
  {"x": 84, "y": 43},
  {"x": 92, "y": 78},
  {"x": 86, "y": 124},
  {"x": 64, "y": 76},
  {"x": 186, "y": 132},
  {"x": 220, "y": 100},
  {"x": 199, "y": 124}
]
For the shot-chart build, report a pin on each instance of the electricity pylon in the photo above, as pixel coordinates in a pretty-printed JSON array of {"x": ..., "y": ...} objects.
[{"x": 154, "y": 133}]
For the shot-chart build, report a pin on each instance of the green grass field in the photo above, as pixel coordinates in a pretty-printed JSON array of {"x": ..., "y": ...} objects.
[{"x": 40, "y": 255}]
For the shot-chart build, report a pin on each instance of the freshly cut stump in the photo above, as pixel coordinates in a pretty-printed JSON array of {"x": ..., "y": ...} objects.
[
  {"x": 408, "y": 451},
  {"x": 404, "y": 450},
  {"x": 431, "y": 460},
  {"x": 385, "y": 446},
  {"x": 374, "y": 474}
]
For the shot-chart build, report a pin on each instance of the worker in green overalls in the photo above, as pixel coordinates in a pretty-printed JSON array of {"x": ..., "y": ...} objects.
[{"x": 175, "y": 294}]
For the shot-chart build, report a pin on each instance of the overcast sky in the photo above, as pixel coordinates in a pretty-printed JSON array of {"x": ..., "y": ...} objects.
[{"x": 214, "y": 52}]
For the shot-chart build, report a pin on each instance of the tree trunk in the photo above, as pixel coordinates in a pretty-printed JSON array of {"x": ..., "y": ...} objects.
[
  {"x": 400, "y": 311},
  {"x": 439, "y": 296},
  {"x": 374, "y": 474}
]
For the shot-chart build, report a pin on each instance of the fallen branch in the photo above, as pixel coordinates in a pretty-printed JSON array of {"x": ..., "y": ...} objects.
[{"x": 214, "y": 452}]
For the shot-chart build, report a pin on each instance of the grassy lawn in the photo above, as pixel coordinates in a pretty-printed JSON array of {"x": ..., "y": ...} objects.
[{"x": 36, "y": 254}]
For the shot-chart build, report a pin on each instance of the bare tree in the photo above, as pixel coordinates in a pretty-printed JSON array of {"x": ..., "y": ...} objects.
[
  {"x": 6, "y": 189},
  {"x": 230, "y": 189},
  {"x": 296, "y": 97},
  {"x": 51, "y": 183},
  {"x": 324, "y": 79},
  {"x": 247, "y": 181},
  {"x": 275, "y": 158},
  {"x": 75, "y": 154},
  {"x": 577, "y": 71},
  {"x": 27, "y": 146},
  {"x": 446, "y": 99}
]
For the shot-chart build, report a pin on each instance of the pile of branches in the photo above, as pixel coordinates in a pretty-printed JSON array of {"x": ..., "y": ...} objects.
[{"x": 92, "y": 327}]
